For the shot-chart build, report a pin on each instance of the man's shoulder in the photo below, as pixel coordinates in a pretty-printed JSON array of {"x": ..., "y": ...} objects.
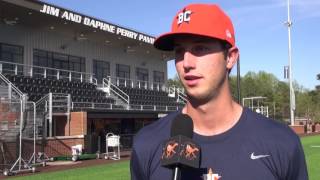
[
  {"x": 270, "y": 129},
  {"x": 277, "y": 140}
]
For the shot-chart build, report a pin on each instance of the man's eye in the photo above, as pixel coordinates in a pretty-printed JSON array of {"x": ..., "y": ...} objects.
[
  {"x": 179, "y": 52},
  {"x": 199, "y": 50}
]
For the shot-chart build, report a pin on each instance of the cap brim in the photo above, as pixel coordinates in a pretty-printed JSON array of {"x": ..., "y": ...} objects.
[{"x": 165, "y": 42}]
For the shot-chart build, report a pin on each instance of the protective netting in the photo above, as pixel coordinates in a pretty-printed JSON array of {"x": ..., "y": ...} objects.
[{"x": 17, "y": 135}]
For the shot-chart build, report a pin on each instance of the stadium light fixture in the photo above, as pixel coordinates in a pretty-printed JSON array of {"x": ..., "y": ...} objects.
[{"x": 291, "y": 91}]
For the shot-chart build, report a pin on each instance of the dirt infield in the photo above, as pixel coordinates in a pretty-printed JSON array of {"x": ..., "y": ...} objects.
[{"x": 65, "y": 165}]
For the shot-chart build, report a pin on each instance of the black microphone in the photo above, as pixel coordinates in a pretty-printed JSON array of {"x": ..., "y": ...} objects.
[{"x": 180, "y": 151}]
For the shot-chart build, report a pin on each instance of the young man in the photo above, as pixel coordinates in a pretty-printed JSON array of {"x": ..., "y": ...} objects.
[{"x": 235, "y": 142}]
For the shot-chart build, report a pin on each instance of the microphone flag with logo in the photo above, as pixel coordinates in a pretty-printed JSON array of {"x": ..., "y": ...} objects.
[{"x": 180, "y": 150}]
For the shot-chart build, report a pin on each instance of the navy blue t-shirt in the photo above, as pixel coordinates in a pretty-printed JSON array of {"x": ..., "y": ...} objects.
[{"x": 256, "y": 148}]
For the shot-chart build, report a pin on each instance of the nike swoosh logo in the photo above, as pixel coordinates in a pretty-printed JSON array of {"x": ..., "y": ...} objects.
[{"x": 253, "y": 157}]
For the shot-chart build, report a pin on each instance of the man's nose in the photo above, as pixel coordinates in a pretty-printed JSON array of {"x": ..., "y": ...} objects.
[{"x": 188, "y": 60}]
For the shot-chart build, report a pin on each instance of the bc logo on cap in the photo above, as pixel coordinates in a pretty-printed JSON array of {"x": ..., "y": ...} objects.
[{"x": 184, "y": 16}]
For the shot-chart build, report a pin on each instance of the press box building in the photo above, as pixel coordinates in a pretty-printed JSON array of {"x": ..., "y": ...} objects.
[{"x": 85, "y": 77}]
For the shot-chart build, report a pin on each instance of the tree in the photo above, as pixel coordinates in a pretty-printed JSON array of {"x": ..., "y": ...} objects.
[
  {"x": 318, "y": 86},
  {"x": 233, "y": 86},
  {"x": 276, "y": 93},
  {"x": 174, "y": 82},
  {"x": 304, "y": 104},
  {"x": 281, "y": 99},
  {"x": 315, "y": 107}
]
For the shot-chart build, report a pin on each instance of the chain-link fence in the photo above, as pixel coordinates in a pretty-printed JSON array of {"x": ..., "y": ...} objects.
[{"x": 18, "y": 135}]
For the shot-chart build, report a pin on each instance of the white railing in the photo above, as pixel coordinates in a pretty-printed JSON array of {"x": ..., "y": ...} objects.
[
  {"x": 137, "y": 84},
  {"x": 122, "y": 95},
  {"x": 59, "y": 102},
  {"x": 19, "y": 69},
  {"x": 153, "y": 108},
  {"x": 110, "y": 106},
  {"x": 172, "y": 91},
  {"x": 12, "y": 87},
  {"x": 181, "y": 95},
  {"x": 42, "y": 100},
  {"x": 92, "y": 105}
]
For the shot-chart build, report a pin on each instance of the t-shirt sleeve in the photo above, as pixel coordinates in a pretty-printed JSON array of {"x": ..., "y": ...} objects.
[
  {"x": 136, "y": 169},
  {"x": 297, "y": 167}
]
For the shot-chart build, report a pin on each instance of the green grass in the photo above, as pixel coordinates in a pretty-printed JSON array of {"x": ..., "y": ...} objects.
[
  {"x": 114, "y": 171},
  {"x": 312, "y": 155},
  {"x": 120, "y": 171}
]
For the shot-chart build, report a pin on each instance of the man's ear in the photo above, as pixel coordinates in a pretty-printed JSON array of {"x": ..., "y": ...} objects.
[{"x": 232, "y": 57}]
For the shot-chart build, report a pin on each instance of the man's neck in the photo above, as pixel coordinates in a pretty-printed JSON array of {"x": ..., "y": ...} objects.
[{"x": 214, "y": 117}]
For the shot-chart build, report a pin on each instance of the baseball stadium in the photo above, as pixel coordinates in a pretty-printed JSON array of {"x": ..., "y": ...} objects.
[
  {"x": 69, "y": 79},
  {"x": 74, "y": 85}
]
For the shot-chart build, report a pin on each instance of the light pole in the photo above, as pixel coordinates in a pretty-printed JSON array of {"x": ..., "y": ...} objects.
[
  {"x": 292, "y": 99},
  {"x": 238, "y": 81}
]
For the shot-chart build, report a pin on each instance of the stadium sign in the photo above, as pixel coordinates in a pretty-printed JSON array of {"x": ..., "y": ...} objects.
[{"x": 77, "y": 18}]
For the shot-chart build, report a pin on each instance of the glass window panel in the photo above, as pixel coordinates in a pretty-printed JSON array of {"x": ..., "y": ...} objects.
[
  {"x": 58, "y": 61},
  {"x": 60, "y": 57},
  {"x": 12, "y": 49},
  {"x": 142, "y": 74},
  {"x": 123, "y": 71},
  {"x": 101, "y": 69},
  {"x": 158, "y": 77},
  {"x": 11, "y": 53}
]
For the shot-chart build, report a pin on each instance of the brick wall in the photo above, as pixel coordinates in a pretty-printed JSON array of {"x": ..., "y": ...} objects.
[
  {"x": 317, "y": 128},
  {"x": 299, "y": 129},
  {"x": 58, "y": 146},
  {"x": 7, "y": 114},
  {"x": 78, "y": 123}
]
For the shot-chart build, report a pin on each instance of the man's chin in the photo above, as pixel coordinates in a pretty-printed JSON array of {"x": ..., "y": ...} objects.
[{"x": 196, "y": 96}]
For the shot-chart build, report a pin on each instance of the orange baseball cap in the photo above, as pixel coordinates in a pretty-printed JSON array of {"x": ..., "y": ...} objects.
[{"x": 207, "y": 20}]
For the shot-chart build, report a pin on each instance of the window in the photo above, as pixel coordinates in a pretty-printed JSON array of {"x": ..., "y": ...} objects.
[
  {"x": 77, "y": 64},
  {"x": 142, "y": 77},
  {"x": 13, "y": 54},
  {"x": 101, "y": 69},
  {"x": 142, "y": 74},
  {"x": 58, "y": 61},
  {"x": 123, "y": 71},
  {"x": 123, "y": 75},
  {"x": 158, "y": 79}
]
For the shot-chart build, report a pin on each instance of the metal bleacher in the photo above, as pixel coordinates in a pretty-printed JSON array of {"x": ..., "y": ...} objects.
[
  {"x": 143, "y": 95},
  {"x": 85, "y": 93},
  {"x": 37, "y": 87}
]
